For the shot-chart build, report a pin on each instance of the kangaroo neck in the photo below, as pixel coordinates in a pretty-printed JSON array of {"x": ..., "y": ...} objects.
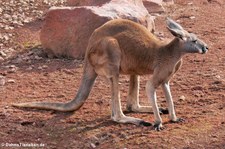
[{"x": 171, "y": 51}]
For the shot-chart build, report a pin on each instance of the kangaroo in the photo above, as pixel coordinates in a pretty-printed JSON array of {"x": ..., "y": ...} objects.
[{"x": 124, "y": 47}]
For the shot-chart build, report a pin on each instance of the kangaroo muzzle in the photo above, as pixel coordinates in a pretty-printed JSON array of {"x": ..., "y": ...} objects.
[{"x": 204, "y": 49}]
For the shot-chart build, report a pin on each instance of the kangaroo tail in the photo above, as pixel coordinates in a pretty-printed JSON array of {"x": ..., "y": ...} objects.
[{"x": 87, "y": 82}]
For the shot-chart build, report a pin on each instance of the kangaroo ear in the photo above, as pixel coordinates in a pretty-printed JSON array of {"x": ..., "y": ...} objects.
[
  {"x": 177, "y": 33},
  {"x": 175, "y": 28},
  {"x": 172, "y": 24}
]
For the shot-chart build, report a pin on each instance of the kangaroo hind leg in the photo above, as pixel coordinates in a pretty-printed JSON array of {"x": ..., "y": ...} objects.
[
  {"x": 117, "y": 114},
  {"x": 133, "y": 96},
  {"x": 106, "y": 59}
]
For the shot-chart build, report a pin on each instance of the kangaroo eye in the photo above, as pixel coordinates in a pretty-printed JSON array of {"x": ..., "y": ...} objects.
[{"x": 195, "y": 41}]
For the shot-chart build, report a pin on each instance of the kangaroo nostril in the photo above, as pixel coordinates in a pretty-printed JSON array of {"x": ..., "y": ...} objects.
[{"x": 204, "y": 50}]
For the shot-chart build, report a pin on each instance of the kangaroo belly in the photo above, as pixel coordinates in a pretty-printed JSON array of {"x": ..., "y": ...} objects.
[{"x": 135, "y": 67}]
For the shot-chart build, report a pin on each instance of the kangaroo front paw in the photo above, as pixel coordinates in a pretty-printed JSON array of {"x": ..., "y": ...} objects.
[
  {"x": 158, "y": 126},
  {"x": 143, "y": 123},
  {"x": 178, "y": 120}
]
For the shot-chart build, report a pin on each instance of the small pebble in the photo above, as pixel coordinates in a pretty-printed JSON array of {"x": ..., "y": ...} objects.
[
  {"x": 3, "y": 54},
  {"x": 12, "y": 70},
  {"x": 93, "y": 145},
  {"x": 182, "y": 98},
  {"x": 11, "y": 81},
  {"x": 44, "y": 66},
  {"x": 40, "y": 68},
  {"x": 1, "y": 59},
  {"x": 2, "y": 81},
  {"x": 192, "y": 17}
]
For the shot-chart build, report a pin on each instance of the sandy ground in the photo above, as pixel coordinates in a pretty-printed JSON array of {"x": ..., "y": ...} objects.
[{"x": 201, "y": 82}]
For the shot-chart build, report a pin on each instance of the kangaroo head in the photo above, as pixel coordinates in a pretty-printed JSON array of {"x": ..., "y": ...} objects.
[{"x": 190, "y": 42}]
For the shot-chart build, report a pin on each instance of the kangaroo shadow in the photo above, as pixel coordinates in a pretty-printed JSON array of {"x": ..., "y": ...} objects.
[
  {"x": 104, "y": 121},
  {"x": 82, "y": 126}
]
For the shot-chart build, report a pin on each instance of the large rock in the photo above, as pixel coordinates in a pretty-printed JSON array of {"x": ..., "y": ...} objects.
[
  {"x": 156, "y": 6},
  {"x": 153, "y": 6},
  {"x": 86, "y": 2},
  {"x": 66, "y": 30}
]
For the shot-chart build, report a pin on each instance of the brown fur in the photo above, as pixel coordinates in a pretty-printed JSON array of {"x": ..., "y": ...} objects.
[{"x": 124, "y": 47}]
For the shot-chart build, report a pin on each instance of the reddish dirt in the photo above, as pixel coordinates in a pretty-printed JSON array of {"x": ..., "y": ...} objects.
[{"x": 201, "y": 81}]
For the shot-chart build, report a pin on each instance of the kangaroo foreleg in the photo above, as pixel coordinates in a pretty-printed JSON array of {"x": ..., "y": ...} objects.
[
  {"x": 172, "y": 115},
  {"x": 151, "y": 93},
  {"x": 133, "y": 104}
]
